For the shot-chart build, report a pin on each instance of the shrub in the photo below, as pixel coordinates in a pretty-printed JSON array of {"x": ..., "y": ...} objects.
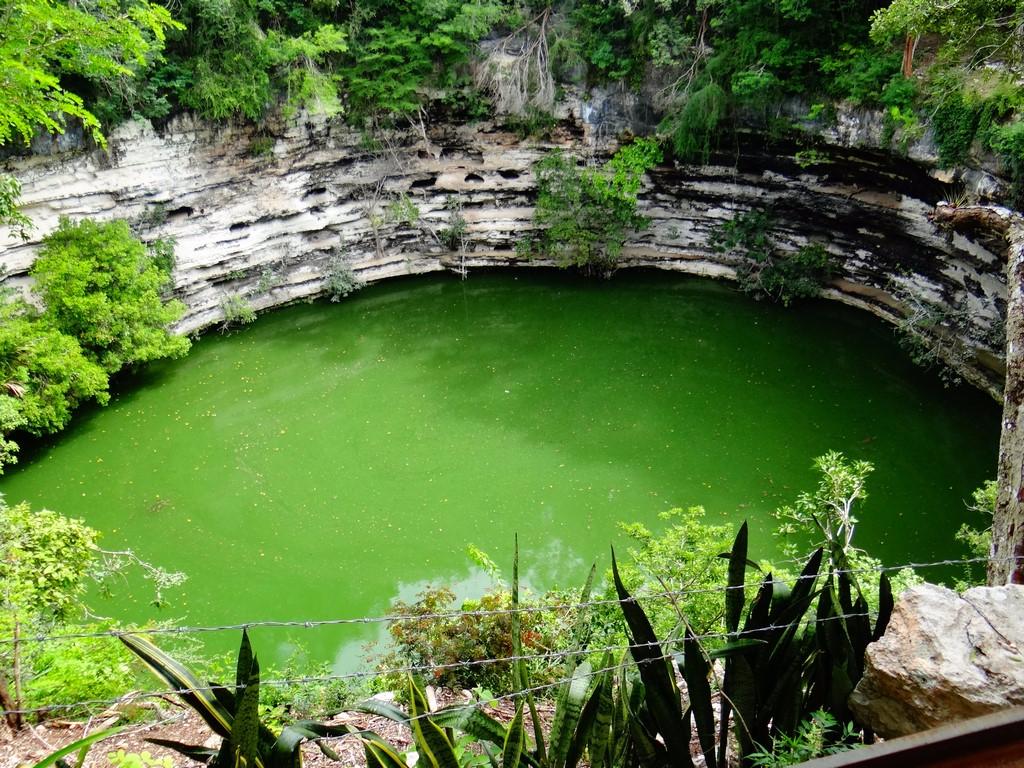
[
  {"x": 79, "y": 669},
  {"x": 453, "y": 235},
  {"x": 978, "y": 540},
  {"x": 465, "y": 637},
  {"x": 696, "y": 125},
  {"x": 236, "y": 310},
  {"x": 584, "y": 215},
  {"x": 815, "y": 737},
  {"x": 684, "y": 557},
  {"x": 341, "y": 279},
  {"x": 766, "y": 271},
  {"x": 100, "y": 285},
  {"x": 44, "y": 371},
  {"x": 47, "y": 562},
  {"x": 312, "y": 698}
]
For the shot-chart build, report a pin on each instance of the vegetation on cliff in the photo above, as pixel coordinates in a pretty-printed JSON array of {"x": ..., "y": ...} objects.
[
  {"x": 708, "y": 62},
  {"x": 103, "y": 307},
  {"x": 104, "y": 304},
  {"x": 583, "y": 215}
]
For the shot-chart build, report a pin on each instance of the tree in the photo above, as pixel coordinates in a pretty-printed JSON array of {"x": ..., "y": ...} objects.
[
  {"x": 47, "y": 563},
  {"x": 827, "y": 512},
  {"x": 42, "y": 41},
  {"x": 44, "y": 561},
  {"x": 43, "y": 376},
  {"x": 100, "y": 286},
  {"x": 977, "y": 31},
  {"x": 584, "y": 215}
]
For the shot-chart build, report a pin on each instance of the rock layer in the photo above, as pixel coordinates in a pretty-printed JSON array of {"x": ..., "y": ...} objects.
[
  {"x": 263, "y": 214},
  {"x": 944, "y": 658}
]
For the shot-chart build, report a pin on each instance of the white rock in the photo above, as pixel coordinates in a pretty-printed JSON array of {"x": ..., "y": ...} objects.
[{"x": 944, "y": 658}]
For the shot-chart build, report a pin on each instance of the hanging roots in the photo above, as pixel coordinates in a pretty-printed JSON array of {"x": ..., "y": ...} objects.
[{"x": 517, "y": 71}]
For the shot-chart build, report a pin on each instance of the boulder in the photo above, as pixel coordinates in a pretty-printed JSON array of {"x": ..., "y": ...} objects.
[{"x": 944, "y": 658}]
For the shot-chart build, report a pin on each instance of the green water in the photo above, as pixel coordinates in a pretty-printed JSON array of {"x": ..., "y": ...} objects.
[{"x": 329, "y": 458}]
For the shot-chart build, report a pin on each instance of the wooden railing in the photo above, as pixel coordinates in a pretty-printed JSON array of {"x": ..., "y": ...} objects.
[{"x": 992, "y": 741}]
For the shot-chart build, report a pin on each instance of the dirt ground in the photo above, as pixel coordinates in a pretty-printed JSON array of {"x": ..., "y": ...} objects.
[{"x": 173, "y": 721}]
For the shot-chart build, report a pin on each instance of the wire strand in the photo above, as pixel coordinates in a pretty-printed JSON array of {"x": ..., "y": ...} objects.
[
  {"x": 442, "y": 615},
  {"x": 412, "y": 669}
]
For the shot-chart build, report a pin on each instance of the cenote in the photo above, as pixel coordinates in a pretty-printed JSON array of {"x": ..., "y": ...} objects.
[{"x": 331, "y": 457}]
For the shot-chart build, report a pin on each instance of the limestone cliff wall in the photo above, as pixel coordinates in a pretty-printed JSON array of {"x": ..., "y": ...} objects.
[{"x": 261, "y": 213}]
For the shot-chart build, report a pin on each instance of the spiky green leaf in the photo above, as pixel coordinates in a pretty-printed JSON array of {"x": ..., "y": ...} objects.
[
  {"x": 696, "y": 670},
  {"x": 183, "y": 682},
  {"x": 81, "y": 746},
  {"x": 515, "y": 740},
  {"x": 662, "y": 696},
  {"x": 432, "y": 741},
  {"x": 246, "y": 727}
]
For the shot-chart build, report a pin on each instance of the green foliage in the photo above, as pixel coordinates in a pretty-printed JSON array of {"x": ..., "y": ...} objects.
[
  {"x": 143, "y": 759},
  {"x": 306, "y": 63},
  {"x": 233, "y": 714},
  {"x": 685, "y": 558},
  {"x": 827, "y": 511},
  {"x": 861, "y": 74},
  {"x": 340, "y": 279},
  {"x": 317, "y": 696},
  {"x": 533, "y": 124},
  {"x": 101, "y": 292},
  {"x": 813, "y": 738},
  {"x": 11, "y": 419},
  {"x": 606, "y": 39},
  {"x": 584, "y": 215},
  {"x": 45, "y": 42},
  {"x": 978, "y": 540},
  {"x": 461, "y": 637},
  {"x": 79, "y": 748},
  {"x": 100, "y": 286},
  {"x": 402, "y": 210},
  {"x": 454, "y": 233},
  {"x": 45, "y": 562},
  {"x": 397, "y": 52},
  {"x": 261, "y": 146},
  {"x": 268, "y": 280},
  {"x": 974, "y": 31},
  {"x": 766, "y": 271},
  {"x": 236, "y": 310},
  {"x": 777, "y": 671},
  {"x": 10, "y": 215},
  {"x": 695, "y": 127},
  {"x": 825, "y": 518},
  {"x": 1008, "y": 141},
  {"x": 161, "y": 253},
  {"x": 44, "y": 373},
  {"x": 79, "y": 669},
  {"x": 955, "y": 123}
]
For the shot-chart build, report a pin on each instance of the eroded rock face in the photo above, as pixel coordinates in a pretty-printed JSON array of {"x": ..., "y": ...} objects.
[
  {"x": 263, "y": 215},
  {"x": 944, "y": 658}
]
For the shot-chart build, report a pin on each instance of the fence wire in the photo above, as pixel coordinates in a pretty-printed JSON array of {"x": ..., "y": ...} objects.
[
  {"x": 443, "y": 615},
  {"x": 414, "y": 669}
]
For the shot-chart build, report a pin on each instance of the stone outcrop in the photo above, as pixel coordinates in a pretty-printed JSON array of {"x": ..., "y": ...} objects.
[
  {"x": 944, "y": 658},
  {"x": 1006, "y": 564},
  {"x": 265, "y": 213}
]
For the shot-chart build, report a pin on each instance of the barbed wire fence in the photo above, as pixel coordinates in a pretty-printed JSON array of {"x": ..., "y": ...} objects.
[
  {"x": 546, "y": 656},
  {"x": 443, "y": 615}
]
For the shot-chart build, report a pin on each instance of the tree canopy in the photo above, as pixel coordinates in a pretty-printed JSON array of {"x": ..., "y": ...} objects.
[
  {"x": 101, "y": 287},
  {"x": 45, "y": 42}
]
